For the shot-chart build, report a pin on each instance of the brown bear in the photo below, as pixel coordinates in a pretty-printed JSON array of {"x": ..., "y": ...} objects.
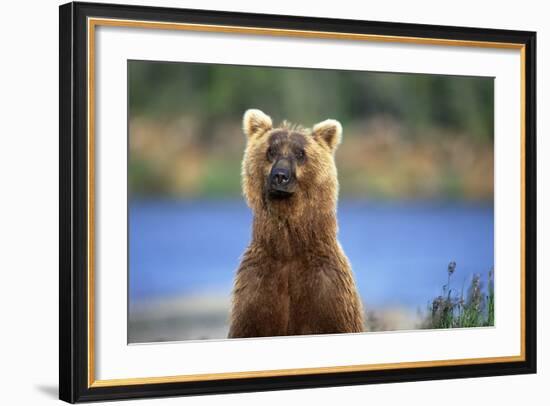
[{"x": 294, "y": 277}]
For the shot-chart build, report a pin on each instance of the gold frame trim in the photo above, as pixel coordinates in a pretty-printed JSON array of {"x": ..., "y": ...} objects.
[{"x": 94, "y": 22}]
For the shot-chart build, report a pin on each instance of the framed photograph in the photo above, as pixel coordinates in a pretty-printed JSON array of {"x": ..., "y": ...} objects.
[{"x": 258, "y": 202}]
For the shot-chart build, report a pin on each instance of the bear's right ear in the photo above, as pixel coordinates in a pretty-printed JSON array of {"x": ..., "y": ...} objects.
[
  {"x": 256, "y": 122},
  {"x": 330, "y": 132}
]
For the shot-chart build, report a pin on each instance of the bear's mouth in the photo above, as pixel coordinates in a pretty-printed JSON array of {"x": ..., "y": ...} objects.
[{"x": 278, "y": 194}]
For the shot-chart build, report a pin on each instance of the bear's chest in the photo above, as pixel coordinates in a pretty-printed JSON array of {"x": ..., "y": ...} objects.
[{"x": 298, "y": 289}]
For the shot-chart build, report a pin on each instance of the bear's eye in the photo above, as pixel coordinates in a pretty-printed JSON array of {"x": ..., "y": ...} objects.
[
  {"x": 300, "y": 154},
  {"x": 271, "y": 153}
]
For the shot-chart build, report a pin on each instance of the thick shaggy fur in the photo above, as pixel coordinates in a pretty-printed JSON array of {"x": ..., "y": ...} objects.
[{"x": 294, "y": 277}]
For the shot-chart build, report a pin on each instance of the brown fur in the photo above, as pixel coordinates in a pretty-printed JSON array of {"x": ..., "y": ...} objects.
[{"x": 294, "y": 277}]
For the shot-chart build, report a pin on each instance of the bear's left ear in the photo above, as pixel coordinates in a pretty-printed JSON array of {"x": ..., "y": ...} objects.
[
  {"x": 329, "y": 132},
  {"x": 256, "y": 122}
]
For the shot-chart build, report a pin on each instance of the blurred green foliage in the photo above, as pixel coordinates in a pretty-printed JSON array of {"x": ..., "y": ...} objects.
[
  {"x": 413, "y": 124},
  {"x": 223, "y": 92}
]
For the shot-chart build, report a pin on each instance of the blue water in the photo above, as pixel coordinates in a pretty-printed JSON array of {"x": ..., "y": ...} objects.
[{"x": 399, "y": 251}]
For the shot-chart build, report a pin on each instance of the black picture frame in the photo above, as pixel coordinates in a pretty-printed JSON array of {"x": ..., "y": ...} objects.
[{"x": 73, "y": 255}]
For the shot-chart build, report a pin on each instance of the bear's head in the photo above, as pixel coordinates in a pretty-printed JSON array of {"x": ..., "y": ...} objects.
[{"x": 289, "y": 170}]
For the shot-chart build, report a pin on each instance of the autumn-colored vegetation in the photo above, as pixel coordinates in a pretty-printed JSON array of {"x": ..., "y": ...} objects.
[{"x": 405, "y": 136}]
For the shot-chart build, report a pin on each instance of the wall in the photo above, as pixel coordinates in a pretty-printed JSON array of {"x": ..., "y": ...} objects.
[{"x": 29, "y": 187}]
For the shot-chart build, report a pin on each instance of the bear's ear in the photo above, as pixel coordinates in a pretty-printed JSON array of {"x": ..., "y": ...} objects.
[
  {"x": 329, "y": 132},
  {"x": 256, "y": 122}
]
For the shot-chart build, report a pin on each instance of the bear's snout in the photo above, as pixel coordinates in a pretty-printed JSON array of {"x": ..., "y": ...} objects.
[{"x": 281, "y": 179}]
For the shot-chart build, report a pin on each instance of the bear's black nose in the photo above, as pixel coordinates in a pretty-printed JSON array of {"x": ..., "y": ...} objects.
[{"x": 280, "y": 176}]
